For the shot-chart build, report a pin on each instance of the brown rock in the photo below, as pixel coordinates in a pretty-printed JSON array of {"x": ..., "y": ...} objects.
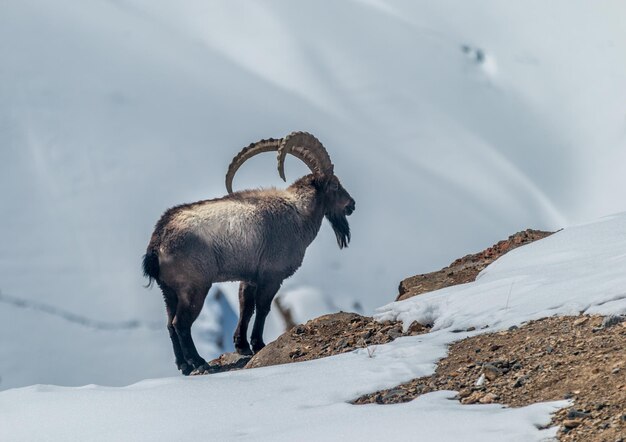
[
  {"x": 416, "y": 328},
  {"x": 572, "y": 423},
  {"x": 464, "y": 393},
  {"x": 467, "y": 268},
  {"x": 489, "y": 398},
  {"x": 581, "y": 321},
  {"x": 472, "y": 398},
  {"x": 225, "y": 362},
  {"x": 329, "y": 335},
  {"x": 491, "y": 372}
]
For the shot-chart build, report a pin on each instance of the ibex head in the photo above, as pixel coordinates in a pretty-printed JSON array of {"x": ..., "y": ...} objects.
[{"x": 337, "y": 202}]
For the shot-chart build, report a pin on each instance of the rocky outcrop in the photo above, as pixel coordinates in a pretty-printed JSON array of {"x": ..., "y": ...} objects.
[
  {"x": 465, "y": 269},
  {"x": 330, "y": 335}
]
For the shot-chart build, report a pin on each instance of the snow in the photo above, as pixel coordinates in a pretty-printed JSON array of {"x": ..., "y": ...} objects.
[
  {"x": 579, "y": 269},
  {"x": 453, "y": 124},
  {"x": 305, "y": 401}
]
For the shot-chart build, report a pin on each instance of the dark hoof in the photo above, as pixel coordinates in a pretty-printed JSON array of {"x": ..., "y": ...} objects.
[
  {"x": 189, "y": 367},
  {"x": 244, "y": 351},
  {"x": 203, "y": 369},
  {"x": 185, "y": 368},
  {"x": 257, "y": 347}
]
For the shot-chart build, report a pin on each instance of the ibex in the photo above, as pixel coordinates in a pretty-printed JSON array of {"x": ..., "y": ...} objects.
[{"x": 258, "y": 237}]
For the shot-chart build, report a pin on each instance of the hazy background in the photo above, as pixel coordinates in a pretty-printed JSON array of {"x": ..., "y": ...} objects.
[{"x": 453, "y": 124}]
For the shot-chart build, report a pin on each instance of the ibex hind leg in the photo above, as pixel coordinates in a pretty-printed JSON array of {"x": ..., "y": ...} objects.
[
  {"x": 190, "y": 302},
  {"x": 171, "y": 304}
]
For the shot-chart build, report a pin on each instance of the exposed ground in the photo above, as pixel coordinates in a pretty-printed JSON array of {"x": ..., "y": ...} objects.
[
  {"x": 330, "y": 335},
  {"x": 556, "y": 358},
  {"x": 320, "y": 337},
  {"x": 465, "y": 269}
]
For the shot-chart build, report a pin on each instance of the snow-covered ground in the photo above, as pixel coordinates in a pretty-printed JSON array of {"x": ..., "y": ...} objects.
[
  {"x": 452, "y": 123},
  {"x": 581, "y": 269}
]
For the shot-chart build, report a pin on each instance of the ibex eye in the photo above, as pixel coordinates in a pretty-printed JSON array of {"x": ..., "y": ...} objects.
[{"x": 334, "y": 186}]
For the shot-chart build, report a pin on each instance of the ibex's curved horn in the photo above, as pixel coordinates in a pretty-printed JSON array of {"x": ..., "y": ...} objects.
[
  {"x": 302, "y": 145},
  {"x": 247, "y": 153},
  {"x": 307, "y": 148}
]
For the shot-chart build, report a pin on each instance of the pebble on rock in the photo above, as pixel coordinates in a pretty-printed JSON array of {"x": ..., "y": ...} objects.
[
  {"x": 489, "y": 398},
  {"x": 571, "y": 423},
  {"x": 491, "y": 372}
]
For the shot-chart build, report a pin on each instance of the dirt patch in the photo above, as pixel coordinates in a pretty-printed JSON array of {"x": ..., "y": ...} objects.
[
  {"x": 330, "y": 335},
  {"x": 465, "y": 269},
  {"x": 580, "y": 358},
  {"x": 225, "y": 362}
]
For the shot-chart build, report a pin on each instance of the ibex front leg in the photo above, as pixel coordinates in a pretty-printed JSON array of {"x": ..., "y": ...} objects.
[{"x": 263, "y": 301}]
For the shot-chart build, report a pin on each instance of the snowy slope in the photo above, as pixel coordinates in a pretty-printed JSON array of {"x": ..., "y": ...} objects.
[
  {"x": 452, "y": 123},
  {"x": 580, "y": 269}
]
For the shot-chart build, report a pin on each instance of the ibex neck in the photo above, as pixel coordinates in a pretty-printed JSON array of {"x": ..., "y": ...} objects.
[{"x": 309, "y": 202}]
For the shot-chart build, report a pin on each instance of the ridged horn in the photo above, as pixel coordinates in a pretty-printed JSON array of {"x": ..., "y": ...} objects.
[
  {"x": 307, "y": 148},
  {"x": 246, "y": 153}
]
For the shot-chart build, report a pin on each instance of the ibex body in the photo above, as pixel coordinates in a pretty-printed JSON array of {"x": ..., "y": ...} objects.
[{"x": 258, "y": 237}]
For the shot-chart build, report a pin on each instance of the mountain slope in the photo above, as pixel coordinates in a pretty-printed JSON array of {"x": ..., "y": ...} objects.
[{"x": 452, "y": 124}]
